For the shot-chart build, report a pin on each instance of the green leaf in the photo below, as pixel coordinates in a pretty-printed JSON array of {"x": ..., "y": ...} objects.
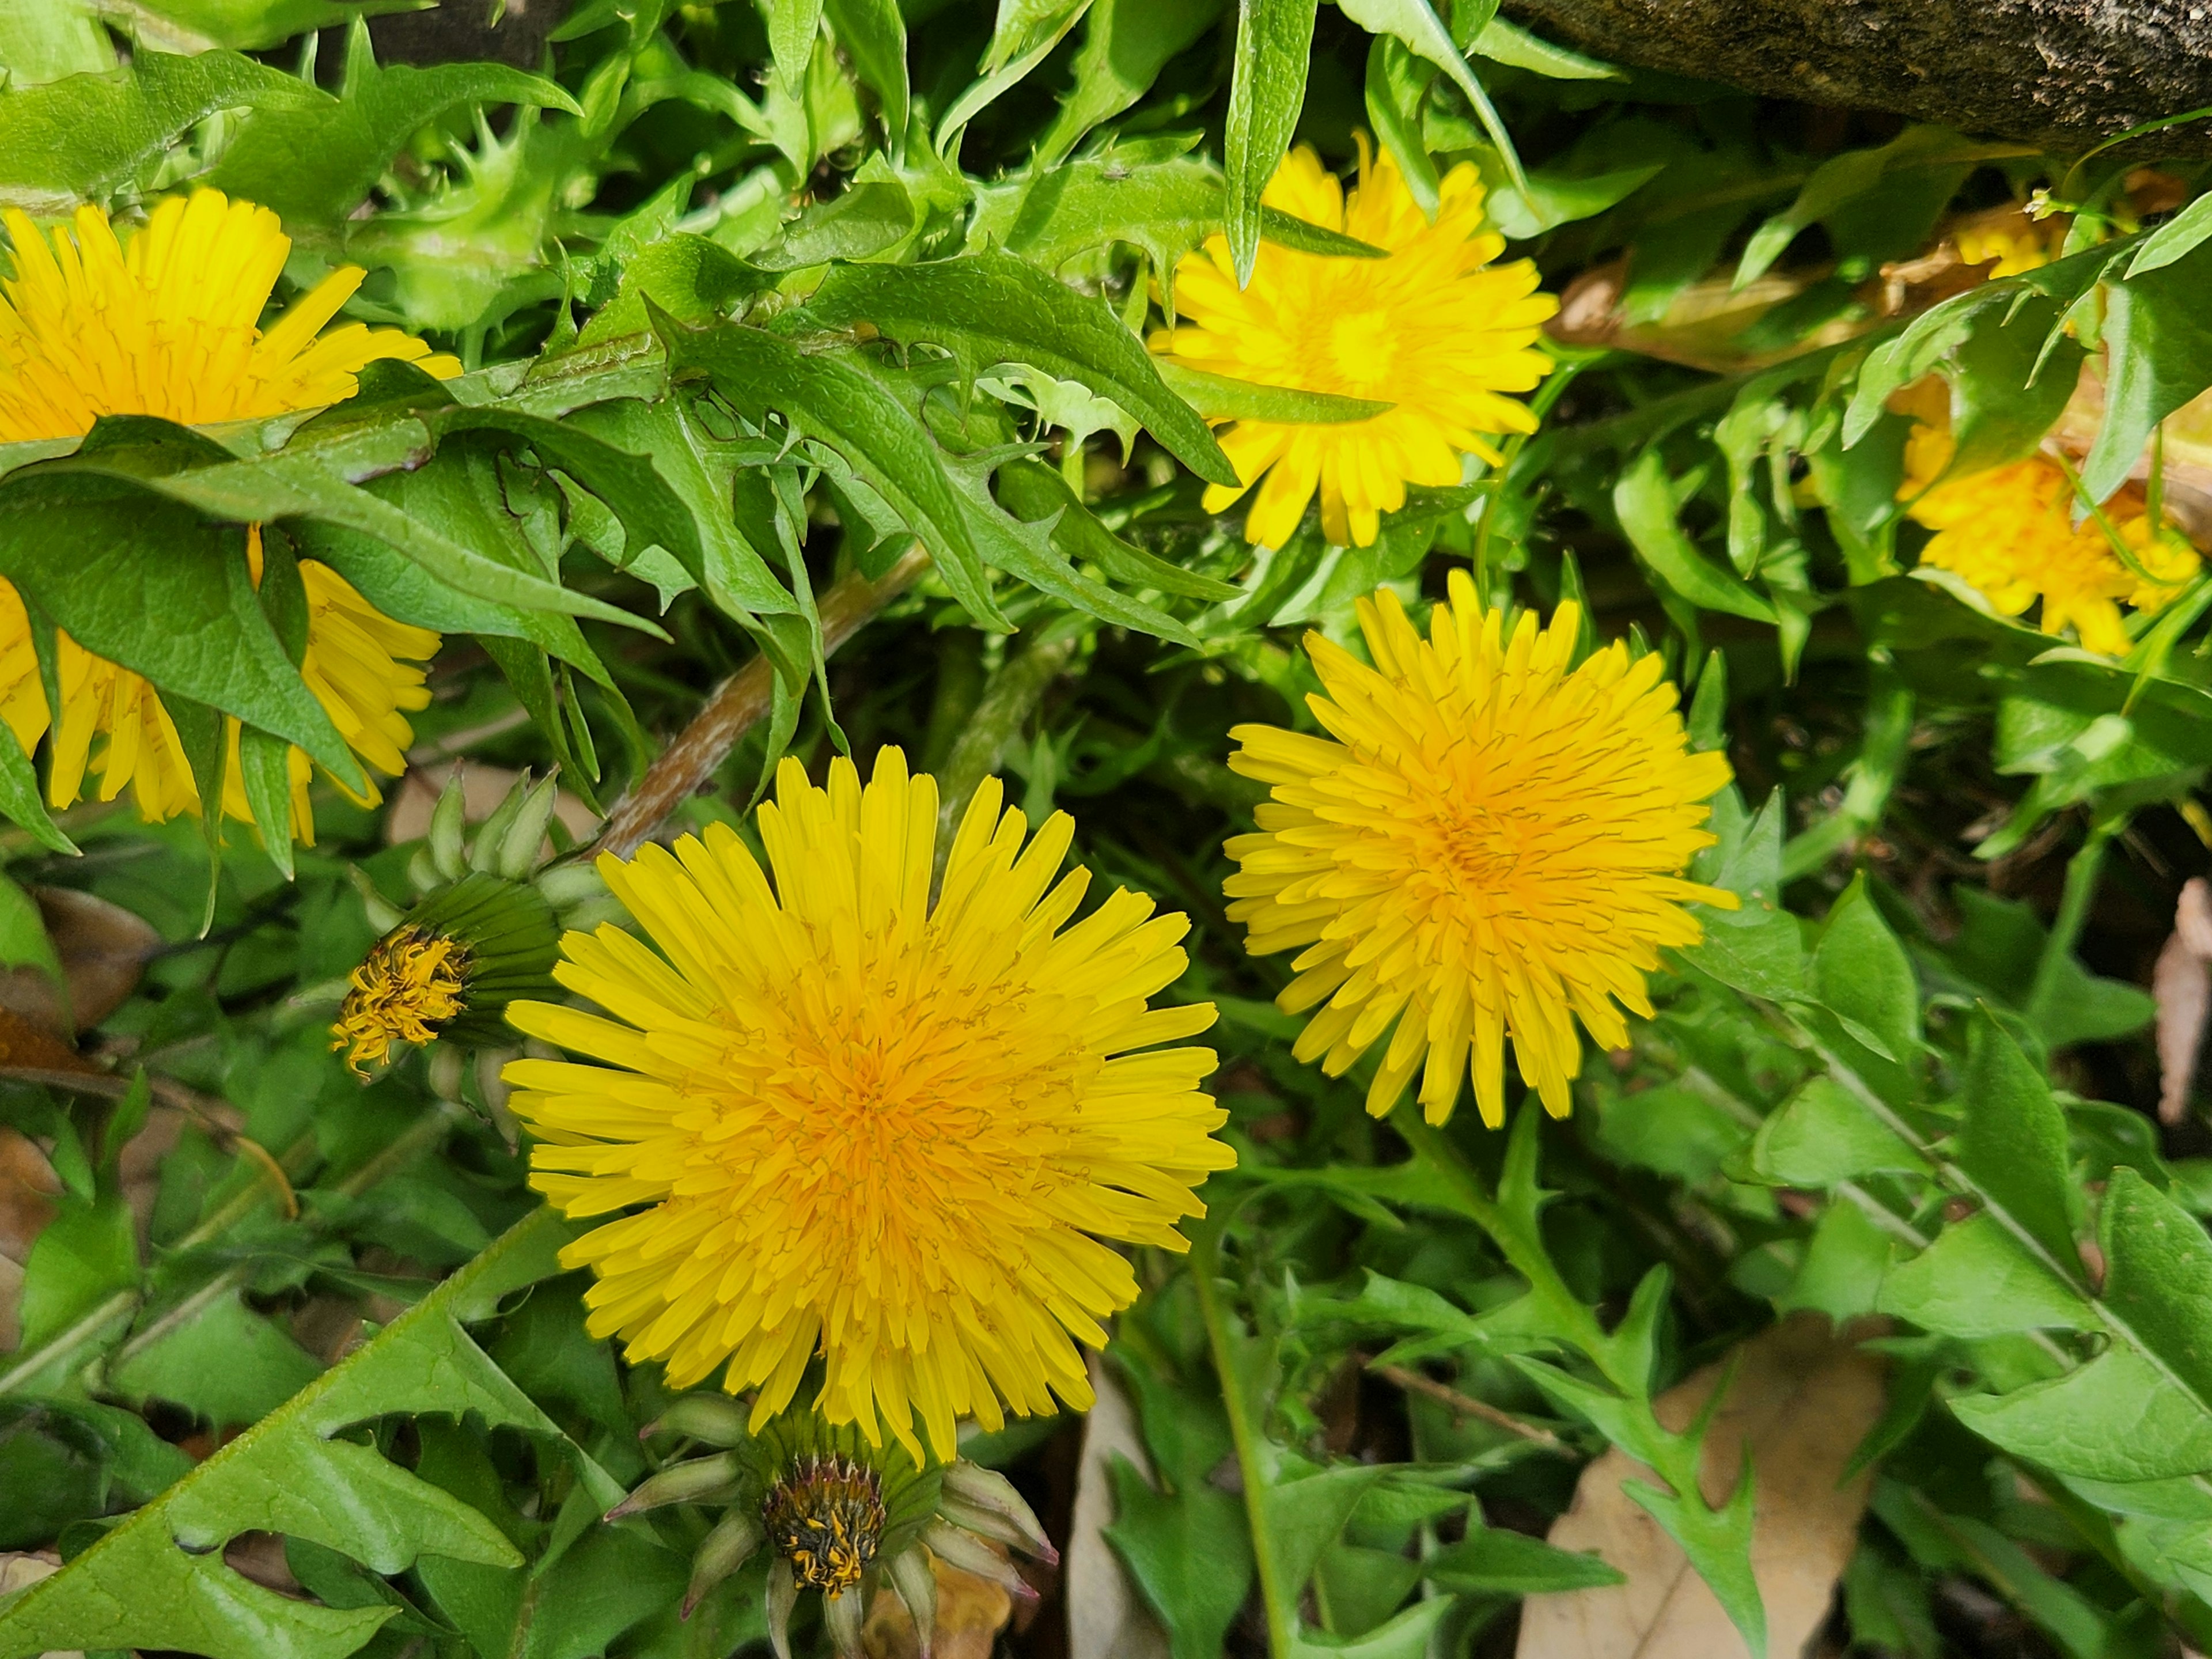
[
  {"x": 84, "y": 1255},
  {"x": 1025, "y": 34},
  {"x": 838, "y": 406},
  {"x": 1492, "y": 1563},
  {"x": 264, "y": 767},
  {"x": 2158, "y": 1277},
  {"x": 88, "y": 134},
  {"x": 223, "y": 1362},
  {"x": 291, "y": 1473},
  {"x": 1823, "y": 1134},
  {"x": 699, "y": 469},
  {"x": 66, "y": 1459},
  {"x": 2010, "y": 386},
  {"x": 1862, "y": 972},
  {"x": 1304, "y": 236},
  {"x": 2158, "y": 339},
  {"x": 992, "y": 308},
  {"x": 2176, "y": 239},
  {"x": 1034, "y": 491},
  {"x": 314, "y": 163},
  {"x": 873, "y": 35},
  {"x": 20, "y": 797},
  {"x": 2013, "y": 1143},
  {"x": 1267, "y": 90},
  {"x": 792, "y": 26},
  {"x": 1932, "y": 337},
  {"x": 1644, "y": 499},
  {"x": 1415, "y": 22},
  {"x": 295, "y": 485},
  {"x": 23, "y": 939},
  {"x": 1406, "y": 1636},
  {"x": 1397, "y": 82},
  {"x": 1126, "y": 44},
  {"x": 1976, "y": 1281},
  {"x": 1188, "y": 1553},
  {"x": 165, "y": 593},
  {"x": 2073, "y": 1424},
  {"x": 1218, "y": 398},
  {"x": 1509, "y": 44},
  {"x": 1842, "y": 180},
  {"x": 1305, "y": 1515},
  {"x": 1030, "y": 552}
]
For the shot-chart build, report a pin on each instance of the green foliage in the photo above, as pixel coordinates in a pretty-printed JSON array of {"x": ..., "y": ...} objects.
[{"x": 751, "y": 303}]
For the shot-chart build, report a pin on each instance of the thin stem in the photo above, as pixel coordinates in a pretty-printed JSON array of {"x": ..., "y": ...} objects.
[
  {"x": 1465, "y": 1405},
  {"x": 738, "y": 703},
  {"x": 1251, "y": 1464},
  {"x": 2081, "y": 872}
]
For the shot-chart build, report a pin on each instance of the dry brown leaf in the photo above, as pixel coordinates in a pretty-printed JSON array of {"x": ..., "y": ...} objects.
[
  {"x": 970, "y": 1613},
  {"x": 28, "y": 1187},
  {"x": 103, "y": 949},
  {"x": 2182, "y": 983},
  {"x": 483, "y": 788},
  {"x": 1702, "y": 326},
  {"x": 1106, "y": 1618},
  {"x": 1802, "y": 1399}
]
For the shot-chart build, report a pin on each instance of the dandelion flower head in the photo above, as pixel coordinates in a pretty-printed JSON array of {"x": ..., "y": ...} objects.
[
  {"x": 1488, "y": 843},
  {"x": 167, "y": 322},
  {"x": 1435, "y": 329},
  {"x": 855, "y": 1124},
  {"x": 2009, "y": 532},
  {"x": 410, "y": 985}
]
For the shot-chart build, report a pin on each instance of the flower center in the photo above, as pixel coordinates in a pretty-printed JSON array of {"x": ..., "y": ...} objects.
[
  {"x": 1362, "y": 349},
  {"x": 410, "y": 985},
  {"x": 825, "y": 1516}
]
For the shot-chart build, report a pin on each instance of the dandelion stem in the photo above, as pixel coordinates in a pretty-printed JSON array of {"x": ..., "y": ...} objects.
[
  {"x": 1253, "y": 1461},
  {"x": 2081, "y": 872}
]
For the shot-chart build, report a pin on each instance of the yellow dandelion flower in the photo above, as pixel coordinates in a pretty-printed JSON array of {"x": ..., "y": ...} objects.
[
  {"x": 1489, "y": 844},
  {"x": 168, "y": 323},
  {"x": 405, "y": 991},
  {"x": 2010, "y": 243},
  {"x": 1435, "y": 329},
  {"x": 2009, "y": 533},
  {"x": 865, "y": 1126}
]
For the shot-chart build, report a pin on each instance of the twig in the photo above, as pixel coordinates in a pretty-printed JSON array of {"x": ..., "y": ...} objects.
[
  {"x": 686, "y": 764},
  {"x": 1465, "y": 1405}
]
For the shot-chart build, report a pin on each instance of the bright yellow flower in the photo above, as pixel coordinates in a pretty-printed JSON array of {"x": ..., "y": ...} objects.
[
  {"x": 2009, "y": 532},
  {"x": 2016, "y": 243},
  {"x": 865, "y": 1127},
  {"x": 168, "y": 324},
  {"x": 1434, "y": 329},
  {"x": 1491, "y": 846}
]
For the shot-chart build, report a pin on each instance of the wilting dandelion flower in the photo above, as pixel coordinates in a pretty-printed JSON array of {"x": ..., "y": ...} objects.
[
  {"x": 1488, "y": 844},
  {"x": 1435, "y": 329},
  {"x": 841, "y": 1516},
  {"x": 168, "y": 323},
  {"x": 867, "y": 1127}
]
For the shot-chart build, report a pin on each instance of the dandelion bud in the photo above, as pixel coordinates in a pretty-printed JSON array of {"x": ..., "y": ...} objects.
[
  {"x": 695, "y": 1480},
  {"x": 990, "y": 1495},
  {"x": 725, "y": 1549},
  {"x": 714, "y": 1418},
  {"x": 916, "y": 1584},
  {"x": 960, "y": 1548},
  {"x": 840, "y": 1617}
]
